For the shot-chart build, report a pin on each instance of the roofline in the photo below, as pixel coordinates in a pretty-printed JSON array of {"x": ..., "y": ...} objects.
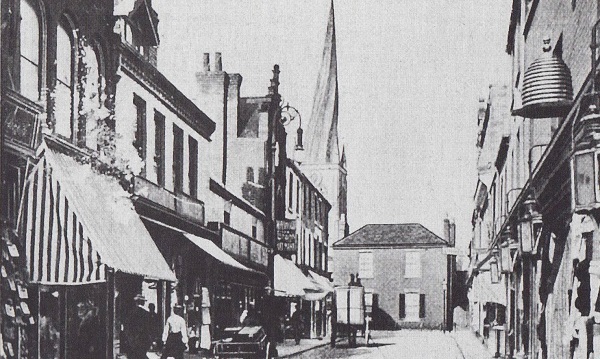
[
  {"x": 444, "y": 242},
  {"x": 391, "y": 245}
]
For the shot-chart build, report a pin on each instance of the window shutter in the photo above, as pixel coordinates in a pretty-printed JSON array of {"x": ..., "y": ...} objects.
[
  {"x": 402, "y": 306},
  {"x": 422, "y": 306}
]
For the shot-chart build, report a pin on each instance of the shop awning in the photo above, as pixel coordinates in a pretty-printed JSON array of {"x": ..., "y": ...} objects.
[
  {"x": 77, "y": 222},
  {"x": 320, "y": 282},
  {"x": 289, "y": 280},
  {"x": 484, "y": 291},
  {"x": 217, "y": 253}
]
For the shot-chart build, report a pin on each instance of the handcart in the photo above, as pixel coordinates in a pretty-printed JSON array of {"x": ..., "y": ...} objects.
[
  {"x": 244, "y": 342},
  {"x": 350, "y": 312}
]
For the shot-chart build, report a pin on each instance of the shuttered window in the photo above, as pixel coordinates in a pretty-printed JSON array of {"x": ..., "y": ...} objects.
[
  {"x": 411, "y": 306},
  {"x": 401, "y": 306}
]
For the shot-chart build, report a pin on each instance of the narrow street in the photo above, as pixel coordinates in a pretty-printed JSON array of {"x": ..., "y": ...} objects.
[{"x": 406, "y": 344}]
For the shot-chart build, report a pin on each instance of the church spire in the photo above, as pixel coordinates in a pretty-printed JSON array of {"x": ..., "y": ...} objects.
[{"x": 322, "y": 133}]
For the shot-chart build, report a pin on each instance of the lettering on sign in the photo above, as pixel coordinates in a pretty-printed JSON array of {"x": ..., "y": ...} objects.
[{"x": 286, "y": 236}]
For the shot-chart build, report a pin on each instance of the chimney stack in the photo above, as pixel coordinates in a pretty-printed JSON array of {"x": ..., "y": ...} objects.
[
  {"x": 206, "y": 62},
  {"x": 447, "y": 229},
  {"x": 218, "y": 62}
]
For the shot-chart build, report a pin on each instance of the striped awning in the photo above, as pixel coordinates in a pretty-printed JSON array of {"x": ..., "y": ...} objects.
[{"x": 77, "y": 222}]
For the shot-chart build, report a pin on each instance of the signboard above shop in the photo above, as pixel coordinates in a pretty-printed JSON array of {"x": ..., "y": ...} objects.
[{"x": 286, "y": 236}]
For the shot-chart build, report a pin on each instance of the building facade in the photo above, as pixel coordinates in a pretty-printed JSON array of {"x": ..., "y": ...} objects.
[
  {"x": 406, "y": 267},
  {"x": 539, "y": 240}
]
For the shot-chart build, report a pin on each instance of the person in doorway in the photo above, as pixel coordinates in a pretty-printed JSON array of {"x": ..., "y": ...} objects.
[
  {"x": 175, "y": 334},
  {"x": 137, "y": 331},
  {"x": 89, "y": 345},
  {"x": 297, "y": 324},
  {"x": 156, "y": 325}
]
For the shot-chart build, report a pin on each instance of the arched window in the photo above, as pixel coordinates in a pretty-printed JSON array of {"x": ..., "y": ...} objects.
[
  {"x": 93, "y": 94},
  {"x": 63, "y": 101},
  {"x": 29, "y": 36}
]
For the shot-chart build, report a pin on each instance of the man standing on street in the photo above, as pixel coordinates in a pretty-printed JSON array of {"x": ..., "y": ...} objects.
[{"x": 137, "y": 330}]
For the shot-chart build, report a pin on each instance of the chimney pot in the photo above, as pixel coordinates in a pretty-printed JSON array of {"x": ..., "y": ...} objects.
[
  {"x": 218, "y": 62},
  {"x": 206, "y": 62}
]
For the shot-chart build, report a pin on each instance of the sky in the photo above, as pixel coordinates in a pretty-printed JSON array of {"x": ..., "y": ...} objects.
[{"x": 410, "y": 73}]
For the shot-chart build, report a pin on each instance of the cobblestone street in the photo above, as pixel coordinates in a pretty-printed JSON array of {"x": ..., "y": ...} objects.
[{"x": 407, "y": 344}]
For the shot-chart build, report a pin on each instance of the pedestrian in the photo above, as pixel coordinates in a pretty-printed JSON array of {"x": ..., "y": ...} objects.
[
  {"x": 156, "y": 324},
  {"x": 89, "y": 344},
  {"x": 175, "y": 334},
  {"x": 298, "y": 325},
  {"x": 137, "y": 330}
]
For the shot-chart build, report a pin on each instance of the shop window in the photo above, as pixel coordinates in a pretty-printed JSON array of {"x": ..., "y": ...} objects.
[{"x": 29, "y": 36}]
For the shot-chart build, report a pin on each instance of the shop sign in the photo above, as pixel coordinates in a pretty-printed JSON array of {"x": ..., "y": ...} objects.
[{"x": 286, "y": 236}]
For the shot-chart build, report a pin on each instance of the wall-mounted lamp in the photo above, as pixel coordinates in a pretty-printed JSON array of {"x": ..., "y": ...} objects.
[
  {"x": 289, "y": 114},
  {"x": 529, "y": 225},
  {"x": 494, "y": 270}
]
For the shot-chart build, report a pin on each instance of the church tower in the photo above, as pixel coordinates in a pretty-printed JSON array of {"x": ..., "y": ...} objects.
[{"x": 323, "y": 163}]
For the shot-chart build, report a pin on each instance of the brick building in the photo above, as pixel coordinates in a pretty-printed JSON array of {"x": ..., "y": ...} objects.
[{"x": 406, "y": 267}]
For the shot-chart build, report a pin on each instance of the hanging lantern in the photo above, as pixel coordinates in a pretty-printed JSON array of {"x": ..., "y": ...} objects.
[
  {"x": 505, "y": 259},
  {"x": 547, "y": 87},
  {"x": 494, "y": 271},
  {"x": 585, "y": 159},
  {"x": 526, "y": 235},
  {"x": 529, "y": 225}
]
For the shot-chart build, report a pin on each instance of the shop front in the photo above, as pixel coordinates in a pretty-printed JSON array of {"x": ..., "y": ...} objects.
[
  {"x": 88, "y": 255},
  {"x": 213, "y": 287},
  {"x": 299, "y": 291}
]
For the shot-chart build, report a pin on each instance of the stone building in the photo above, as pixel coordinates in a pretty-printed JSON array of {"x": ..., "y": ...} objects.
[{"x": 406, "y": 267}]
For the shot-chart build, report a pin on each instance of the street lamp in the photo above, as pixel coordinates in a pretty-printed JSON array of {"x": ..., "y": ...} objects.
[{"x": 287, "y": 114}]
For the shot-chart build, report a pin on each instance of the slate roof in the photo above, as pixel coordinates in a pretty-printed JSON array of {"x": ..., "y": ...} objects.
[{"x": 393, "y": 235}]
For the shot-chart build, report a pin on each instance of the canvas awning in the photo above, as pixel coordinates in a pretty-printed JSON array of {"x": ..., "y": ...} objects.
[
  {"x": 324, "y": 285},
  {"x": 484, "y": 291},
  {"x": 77, "y": 222},
  {"x": 217, "y": 253},
  {"x": 289, "y": 280}
]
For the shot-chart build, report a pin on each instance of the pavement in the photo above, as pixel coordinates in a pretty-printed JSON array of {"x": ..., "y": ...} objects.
[
  {"x": 459, "y": 344},
  {"x": 406, "y": 343},
  {"x": 470, "y": 345}
]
